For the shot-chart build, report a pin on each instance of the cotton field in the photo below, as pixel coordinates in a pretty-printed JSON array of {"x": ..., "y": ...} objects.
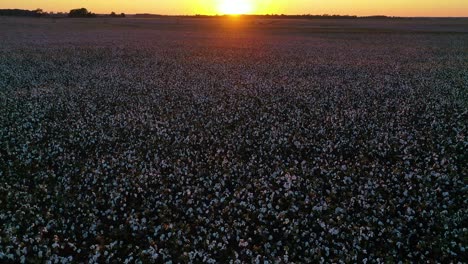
[{"x": 188, "y": 141}]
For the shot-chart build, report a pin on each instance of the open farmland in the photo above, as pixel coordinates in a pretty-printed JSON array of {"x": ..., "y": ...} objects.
[{"x": 217, "y": 140}]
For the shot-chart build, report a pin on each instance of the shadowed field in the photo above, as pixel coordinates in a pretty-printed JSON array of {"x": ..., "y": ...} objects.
[{"x": 15, "y": 27}]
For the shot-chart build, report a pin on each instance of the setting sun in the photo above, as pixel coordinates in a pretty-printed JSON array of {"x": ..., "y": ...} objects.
[{"x": 235, "y": 7}]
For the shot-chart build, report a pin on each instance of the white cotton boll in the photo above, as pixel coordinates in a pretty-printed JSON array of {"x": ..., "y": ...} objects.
[
  {"x": 334, "y": 231},
  {"x": 297, "y": 144},
  {"x": 317, "y": 208},
  {"x": 128, "y": 260},
  {"x": 243, "y": 243},
  {"x": 339, "y": 210}
]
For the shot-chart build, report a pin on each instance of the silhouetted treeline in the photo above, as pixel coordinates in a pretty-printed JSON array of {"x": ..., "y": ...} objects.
[
  {"x": 378, "y": 17},
  {"x": 147, "y": 15},
  {"x": 81, "y": 12},
  {"x": 21, "y": 12},
  {"x": 113, "y": 14}
]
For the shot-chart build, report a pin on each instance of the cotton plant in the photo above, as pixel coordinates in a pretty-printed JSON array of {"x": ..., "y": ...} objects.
[{"x": 141, "y": 152}]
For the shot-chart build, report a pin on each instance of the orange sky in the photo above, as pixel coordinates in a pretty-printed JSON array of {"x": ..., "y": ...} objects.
[{"x": 210, "y": 7}]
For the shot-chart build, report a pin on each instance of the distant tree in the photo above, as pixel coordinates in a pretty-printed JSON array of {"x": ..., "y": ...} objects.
[
  {"x": 113, "y": 14},
  {"x": 80, "y": 12},
  {"x": 39, "y": 12}
]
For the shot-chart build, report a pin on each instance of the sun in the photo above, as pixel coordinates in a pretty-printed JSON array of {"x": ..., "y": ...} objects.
[{"x": 235, "y": 7}]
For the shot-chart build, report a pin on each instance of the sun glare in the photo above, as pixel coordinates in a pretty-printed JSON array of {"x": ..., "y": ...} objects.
[{"x": 235, "y": 7}]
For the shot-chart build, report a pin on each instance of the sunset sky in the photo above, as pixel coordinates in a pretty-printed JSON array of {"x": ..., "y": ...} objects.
[{"x": 211, "y": 7}]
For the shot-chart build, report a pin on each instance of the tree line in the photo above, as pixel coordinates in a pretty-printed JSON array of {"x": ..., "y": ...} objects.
[
  {"x": 21, "y": 12},
  {"x": 84, "y": 13},
  {"x": 79, "y": 12}
]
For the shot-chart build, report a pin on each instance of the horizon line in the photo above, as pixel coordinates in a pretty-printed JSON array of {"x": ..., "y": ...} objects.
[{"x": 247, "y": 14}]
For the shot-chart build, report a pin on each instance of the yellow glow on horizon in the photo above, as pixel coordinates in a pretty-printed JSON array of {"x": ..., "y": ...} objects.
[
  {"x": 444, "y": 8},
  {"x": 235, "y": 7}
]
